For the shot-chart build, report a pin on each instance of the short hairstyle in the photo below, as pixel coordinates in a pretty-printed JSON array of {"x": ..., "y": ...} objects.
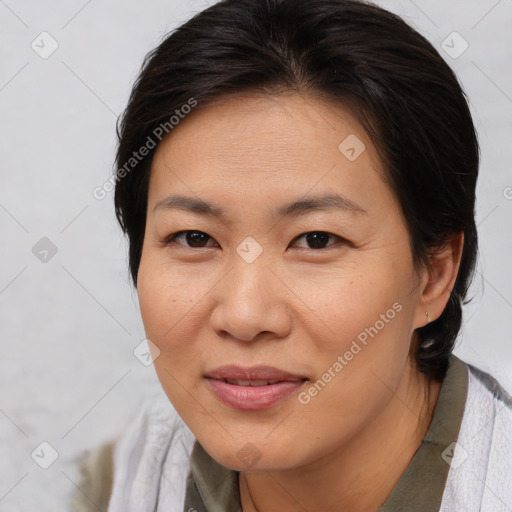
[{"x": 365, "y": 58}]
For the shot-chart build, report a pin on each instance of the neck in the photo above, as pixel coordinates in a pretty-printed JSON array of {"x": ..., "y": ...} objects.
[{"x": 360, "y": 475}]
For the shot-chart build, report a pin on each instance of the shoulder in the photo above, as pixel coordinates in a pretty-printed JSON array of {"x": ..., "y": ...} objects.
[
  {"x": 487, "y": 384},
  {"x": 488, "y": 408},
  {"x": 96, "y": 468},
  {"x": 480, "y": 476},
  {"x": 120, "y": 473},
  {"x": 488, "y": 411}
]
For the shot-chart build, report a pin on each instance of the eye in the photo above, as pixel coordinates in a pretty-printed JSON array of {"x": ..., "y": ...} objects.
[
  {"x": 318, "y": 239},
  {"x": 192, "y": 237},
  {"x": 198, "y": 239}
]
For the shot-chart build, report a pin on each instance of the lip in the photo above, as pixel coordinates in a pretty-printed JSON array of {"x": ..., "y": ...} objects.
[
  {"x": 253, "y": 397},
  {"x": 261, "y": 372}
]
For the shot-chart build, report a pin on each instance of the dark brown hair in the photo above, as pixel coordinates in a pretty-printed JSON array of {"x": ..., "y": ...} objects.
[{"x": 353, "y": 52}]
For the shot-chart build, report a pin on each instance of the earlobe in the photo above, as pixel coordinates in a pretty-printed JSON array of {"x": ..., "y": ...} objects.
[{"x": 444, "y": 265}]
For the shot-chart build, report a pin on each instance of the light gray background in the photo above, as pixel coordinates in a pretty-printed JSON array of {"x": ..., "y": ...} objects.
[{"x": 69, "y": 325}]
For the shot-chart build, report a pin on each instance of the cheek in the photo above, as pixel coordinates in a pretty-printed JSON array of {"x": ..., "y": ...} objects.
[
  {"x": 166, "y": 308},
  {"x": 346, "y": 305},
  {"x": 361, "y": 330},
  {"x": 174, "y": 304},
  {"x": 168, "y": 298},
  {"x": 168, "y": 304}
]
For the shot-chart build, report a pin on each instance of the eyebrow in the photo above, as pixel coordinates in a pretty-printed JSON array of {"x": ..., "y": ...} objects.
[{"x": 295, "y": 208}]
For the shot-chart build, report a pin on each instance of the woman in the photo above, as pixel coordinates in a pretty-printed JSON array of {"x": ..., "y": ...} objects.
[{"x": 297, "y": 182}]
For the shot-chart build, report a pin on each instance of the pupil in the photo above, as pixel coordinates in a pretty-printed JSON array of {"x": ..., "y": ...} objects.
[
  {"x": 196, "y": 237},
  {"x": 317, "y": 239}
]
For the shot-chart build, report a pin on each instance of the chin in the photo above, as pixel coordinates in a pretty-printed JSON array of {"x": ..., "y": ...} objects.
[{"x": 247, "y": 455}]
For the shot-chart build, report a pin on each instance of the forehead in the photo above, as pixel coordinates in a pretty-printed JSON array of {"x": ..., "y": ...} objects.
[
  {"x": 265, "y": 122},
  {"x": 259, "y": 144}
]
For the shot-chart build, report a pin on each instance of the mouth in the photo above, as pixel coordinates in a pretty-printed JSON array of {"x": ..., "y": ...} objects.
[
  {"x": 253, "y": 374},
  {"x": 253, "y": 388},
  {"x": 256, "y": 383}
]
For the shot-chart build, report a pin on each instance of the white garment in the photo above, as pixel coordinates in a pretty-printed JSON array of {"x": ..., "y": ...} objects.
[
  {"x": 151, "y": 461},
  {"x": 480, "y": 476}
]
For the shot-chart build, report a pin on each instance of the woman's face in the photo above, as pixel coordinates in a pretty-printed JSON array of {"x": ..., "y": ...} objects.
[{"x": 244, "y": 271}]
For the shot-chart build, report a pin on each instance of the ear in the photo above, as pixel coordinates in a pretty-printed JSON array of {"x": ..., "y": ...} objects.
[{"x": 438, "y": 280}]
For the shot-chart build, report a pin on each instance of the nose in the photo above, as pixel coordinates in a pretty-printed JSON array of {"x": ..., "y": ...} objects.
[{"x": 251, "y": 303}]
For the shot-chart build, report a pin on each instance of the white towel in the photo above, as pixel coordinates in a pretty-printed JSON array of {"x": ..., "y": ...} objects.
[
  {"x": 151, "y": 461},
  {"x": 480, "y": 476}
]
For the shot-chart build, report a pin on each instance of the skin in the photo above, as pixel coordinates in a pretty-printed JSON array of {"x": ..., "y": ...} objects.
[{"x": 296, "y": 306}]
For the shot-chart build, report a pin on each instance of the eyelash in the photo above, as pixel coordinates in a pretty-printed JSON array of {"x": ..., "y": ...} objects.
[{"x": 170, "y": 239}]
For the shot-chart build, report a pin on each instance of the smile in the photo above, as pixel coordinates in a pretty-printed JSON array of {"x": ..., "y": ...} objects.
[{"x": 253, "y": 388}]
